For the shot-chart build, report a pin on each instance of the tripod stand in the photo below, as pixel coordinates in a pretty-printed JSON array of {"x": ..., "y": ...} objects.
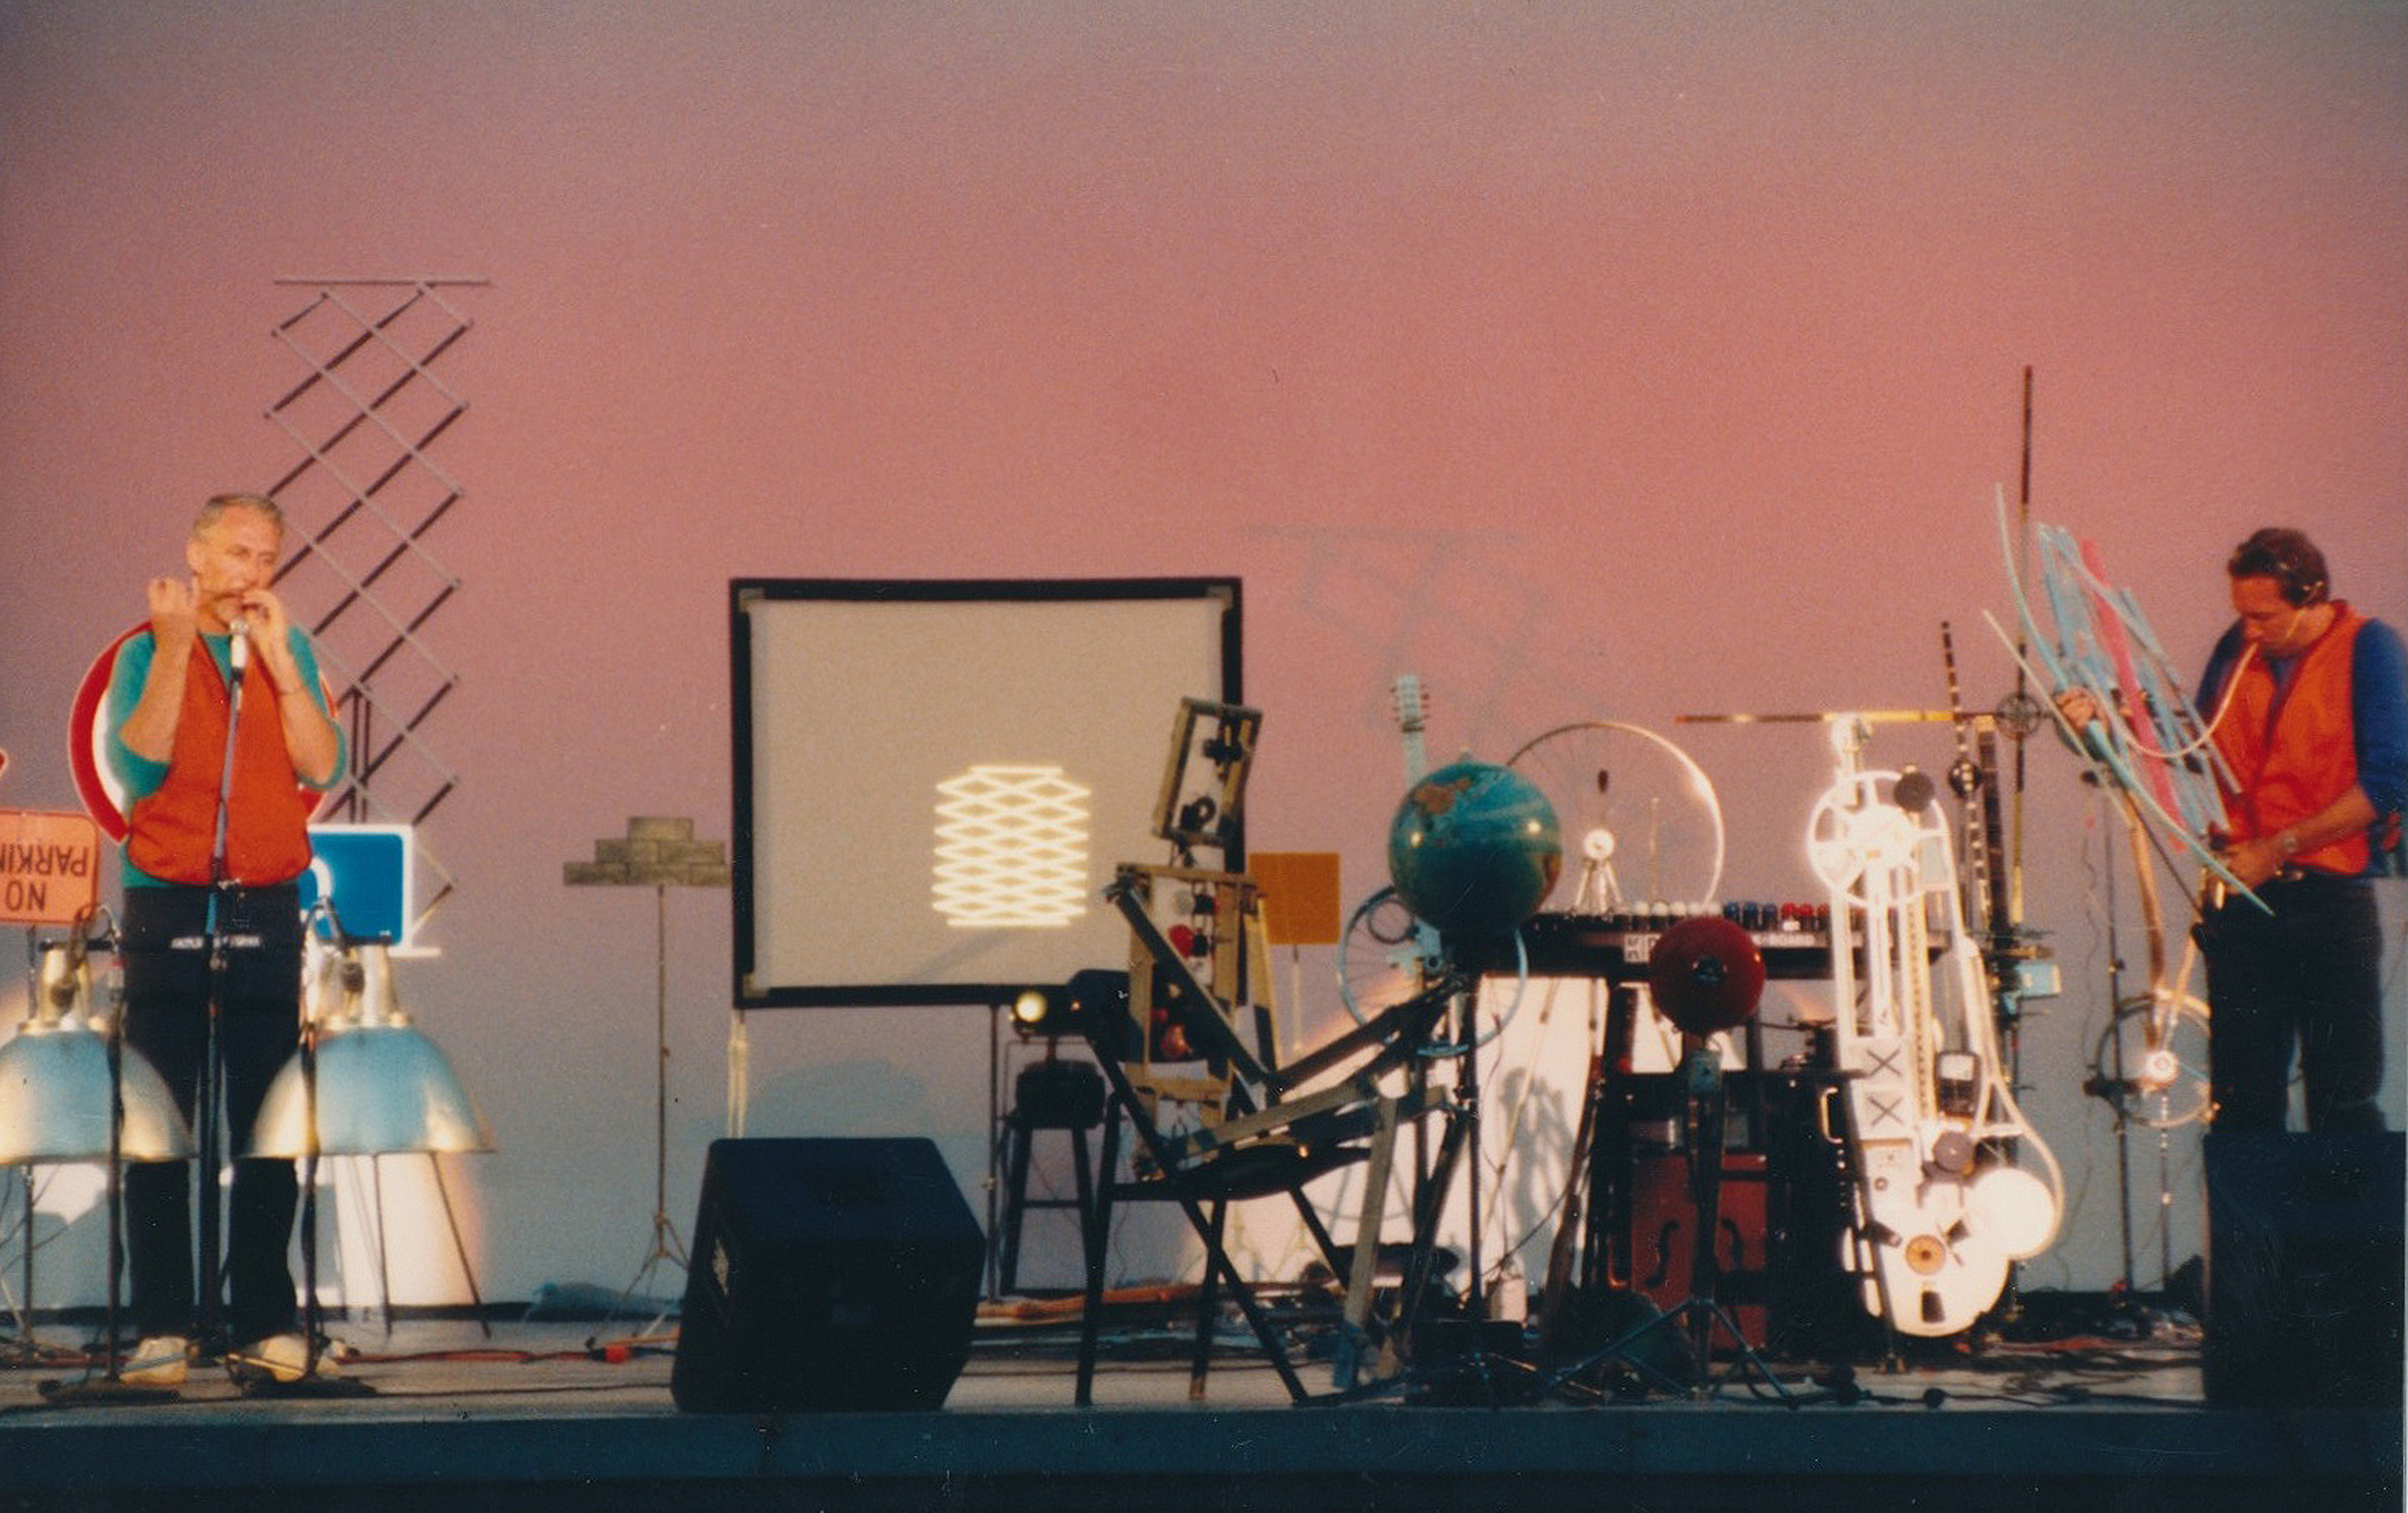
[
  {"x": 668, "y": 1246},
  {"x": 1706, "y": 975},
  {"x": 1459, "y": 1364},
  {"x": 658, "y": 852},
  {"x": 1696, "y": 1317}
]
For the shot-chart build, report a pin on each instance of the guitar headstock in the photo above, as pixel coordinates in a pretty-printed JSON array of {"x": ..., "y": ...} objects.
[{"x": 1412, "y": 714}]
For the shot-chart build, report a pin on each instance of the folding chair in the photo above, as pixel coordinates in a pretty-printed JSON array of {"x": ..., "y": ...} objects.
[{"x": 1252, "y": 1128}]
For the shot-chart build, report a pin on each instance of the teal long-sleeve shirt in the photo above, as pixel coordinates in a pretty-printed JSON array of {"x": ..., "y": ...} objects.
[{"x": 138, "y": 776}]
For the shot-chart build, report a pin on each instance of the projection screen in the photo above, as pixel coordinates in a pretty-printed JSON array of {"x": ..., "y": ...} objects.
[{"x": 934, "y": 780}]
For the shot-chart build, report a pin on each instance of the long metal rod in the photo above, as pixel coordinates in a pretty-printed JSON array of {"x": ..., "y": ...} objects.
[
  {"x": 212, "y": 1052},
  {"x": 2022, "y": 676},
  {"x": 460, "y": 1245}
]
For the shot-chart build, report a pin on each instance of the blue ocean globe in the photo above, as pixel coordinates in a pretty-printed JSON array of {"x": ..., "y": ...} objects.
[{"x": 1474, "y": 849}]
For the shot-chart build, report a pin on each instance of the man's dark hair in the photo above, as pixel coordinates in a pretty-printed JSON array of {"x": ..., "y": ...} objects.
[{"x": 2289, "y": 559}]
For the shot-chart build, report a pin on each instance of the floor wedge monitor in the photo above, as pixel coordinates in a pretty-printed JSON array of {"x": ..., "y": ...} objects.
[{"x": 826, "y": 1274}]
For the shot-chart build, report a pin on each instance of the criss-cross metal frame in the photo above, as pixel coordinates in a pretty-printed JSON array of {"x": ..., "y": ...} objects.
[{"x": 365, "y": 497}]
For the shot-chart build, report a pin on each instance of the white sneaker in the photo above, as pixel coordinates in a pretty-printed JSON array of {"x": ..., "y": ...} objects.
[
  {"x": 158, "y": 1361},
  {"x": 283, "y": 1359}
]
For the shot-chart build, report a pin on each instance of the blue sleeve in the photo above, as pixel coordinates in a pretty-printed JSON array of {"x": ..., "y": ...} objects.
[
  {"x": 2378, "y": 708},
  {"x": 305, "y": 658},
  {"x": 140, "y": 776}
]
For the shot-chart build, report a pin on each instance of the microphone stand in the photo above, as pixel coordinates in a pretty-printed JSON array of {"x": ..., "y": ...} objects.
[
  {"x": 116, "y": 1170},
  {"x": 111, "y": 1386},
  {"x": 314, "y": 1383},
  {"x": 208, "y": 1109}
]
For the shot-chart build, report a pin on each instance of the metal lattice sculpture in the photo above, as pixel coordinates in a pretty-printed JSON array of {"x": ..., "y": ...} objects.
[{"x": 366, "y": 495}]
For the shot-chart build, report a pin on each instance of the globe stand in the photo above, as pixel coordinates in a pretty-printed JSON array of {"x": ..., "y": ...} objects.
[
  {"x": 1471, "y": 1373},
  {"x": 1472, "y": 850}
]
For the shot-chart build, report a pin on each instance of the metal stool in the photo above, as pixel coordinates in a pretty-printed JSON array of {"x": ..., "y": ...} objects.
[{"x": 1050, "y": 1095}]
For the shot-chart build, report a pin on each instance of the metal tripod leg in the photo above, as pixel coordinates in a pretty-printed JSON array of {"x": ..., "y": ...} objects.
[{"x": 1697, "y": 1316}]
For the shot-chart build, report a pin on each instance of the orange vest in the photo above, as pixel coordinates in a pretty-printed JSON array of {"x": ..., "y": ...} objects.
[
  {"x": 172, "y": 831},
  {"x": 2295, "y": 751}
]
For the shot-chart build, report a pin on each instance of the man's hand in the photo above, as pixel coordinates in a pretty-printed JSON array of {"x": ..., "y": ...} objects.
[
  {"x": 268, "y": 637},
  {"x": 150, "y": 727},
  {"x": 174, "y": 614},
  {"x": 2254, "y": 862}
]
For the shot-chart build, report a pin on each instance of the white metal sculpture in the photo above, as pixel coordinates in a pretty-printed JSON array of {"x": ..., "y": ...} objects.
[{"x": 1945, "y": 1192}]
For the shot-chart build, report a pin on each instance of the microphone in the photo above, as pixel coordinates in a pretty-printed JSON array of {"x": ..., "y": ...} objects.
[
  {"x": 63, "y": 971},
  {"x": 238, "y": 649}
]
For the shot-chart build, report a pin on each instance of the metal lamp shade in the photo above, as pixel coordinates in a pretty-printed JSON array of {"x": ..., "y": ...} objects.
[
  {"x": 381, "y": 1089},
  {"x": 54, "y": 1100}
]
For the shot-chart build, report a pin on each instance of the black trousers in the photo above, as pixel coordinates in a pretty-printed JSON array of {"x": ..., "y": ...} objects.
[
  {"x": 2307, "y": 978},
  {"x": 169, "y": 997}
]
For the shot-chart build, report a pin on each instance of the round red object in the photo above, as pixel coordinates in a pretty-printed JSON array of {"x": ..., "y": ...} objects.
[{"x": 1706, "y": 974}]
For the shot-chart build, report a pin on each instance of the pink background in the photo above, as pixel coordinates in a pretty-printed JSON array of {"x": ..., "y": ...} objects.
[{"x": 1592, "y": 361}]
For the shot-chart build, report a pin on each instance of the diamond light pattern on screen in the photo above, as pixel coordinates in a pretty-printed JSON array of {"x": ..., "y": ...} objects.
[{"x": 1012, "y": 849}]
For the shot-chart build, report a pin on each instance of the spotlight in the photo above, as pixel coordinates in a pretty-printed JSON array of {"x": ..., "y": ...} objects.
[
  {"x": 1034, "y": 1007},
  {"x": 1091, "y": 1003}
]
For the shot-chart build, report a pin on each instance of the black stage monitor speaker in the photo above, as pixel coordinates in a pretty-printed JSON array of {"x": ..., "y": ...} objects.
[
  {"x": 2304, "y": 1270},
  {"x": 826, "y": 1274}
]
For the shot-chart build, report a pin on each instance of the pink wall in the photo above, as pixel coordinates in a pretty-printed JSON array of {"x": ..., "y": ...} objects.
[{"x": 1592, "y": 361}]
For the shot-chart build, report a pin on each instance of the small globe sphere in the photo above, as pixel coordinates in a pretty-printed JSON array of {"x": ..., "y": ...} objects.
[{"x": 1474, "y": 849}]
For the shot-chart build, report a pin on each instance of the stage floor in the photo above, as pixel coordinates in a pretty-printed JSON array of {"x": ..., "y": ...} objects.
[{"x": 569, "y": 1413}]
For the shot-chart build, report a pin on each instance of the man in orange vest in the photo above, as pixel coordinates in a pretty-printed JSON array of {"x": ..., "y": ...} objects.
[
  {"x": 2304, "y": 697},
  {"x": 222, "y": 734}
]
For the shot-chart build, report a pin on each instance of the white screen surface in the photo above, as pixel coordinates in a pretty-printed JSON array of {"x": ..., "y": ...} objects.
[{"x": 912, "y": 758}]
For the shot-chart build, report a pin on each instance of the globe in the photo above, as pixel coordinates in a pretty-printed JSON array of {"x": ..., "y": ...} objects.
[{"x": 1474, "y": 849}]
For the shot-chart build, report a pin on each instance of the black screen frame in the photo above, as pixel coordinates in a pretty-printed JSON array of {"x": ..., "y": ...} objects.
[{"x": 743, "y": 593}]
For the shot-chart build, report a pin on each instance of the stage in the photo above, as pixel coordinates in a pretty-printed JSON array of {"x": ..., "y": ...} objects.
[{"x": 570, "y": 1413}]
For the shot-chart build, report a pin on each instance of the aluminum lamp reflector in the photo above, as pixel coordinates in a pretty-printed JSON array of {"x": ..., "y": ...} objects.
[
  {"x": 54, "y": 1100},
  {"x": 381, "y": 1087}
]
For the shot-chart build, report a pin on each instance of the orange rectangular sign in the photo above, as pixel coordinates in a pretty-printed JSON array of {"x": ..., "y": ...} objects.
[
  {"x": 49, "y": 867},
  {"x": 1300, "y": 895}
]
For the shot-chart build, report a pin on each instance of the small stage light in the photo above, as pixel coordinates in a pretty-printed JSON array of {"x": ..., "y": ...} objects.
[{"x": 1091, "y": 1003}]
